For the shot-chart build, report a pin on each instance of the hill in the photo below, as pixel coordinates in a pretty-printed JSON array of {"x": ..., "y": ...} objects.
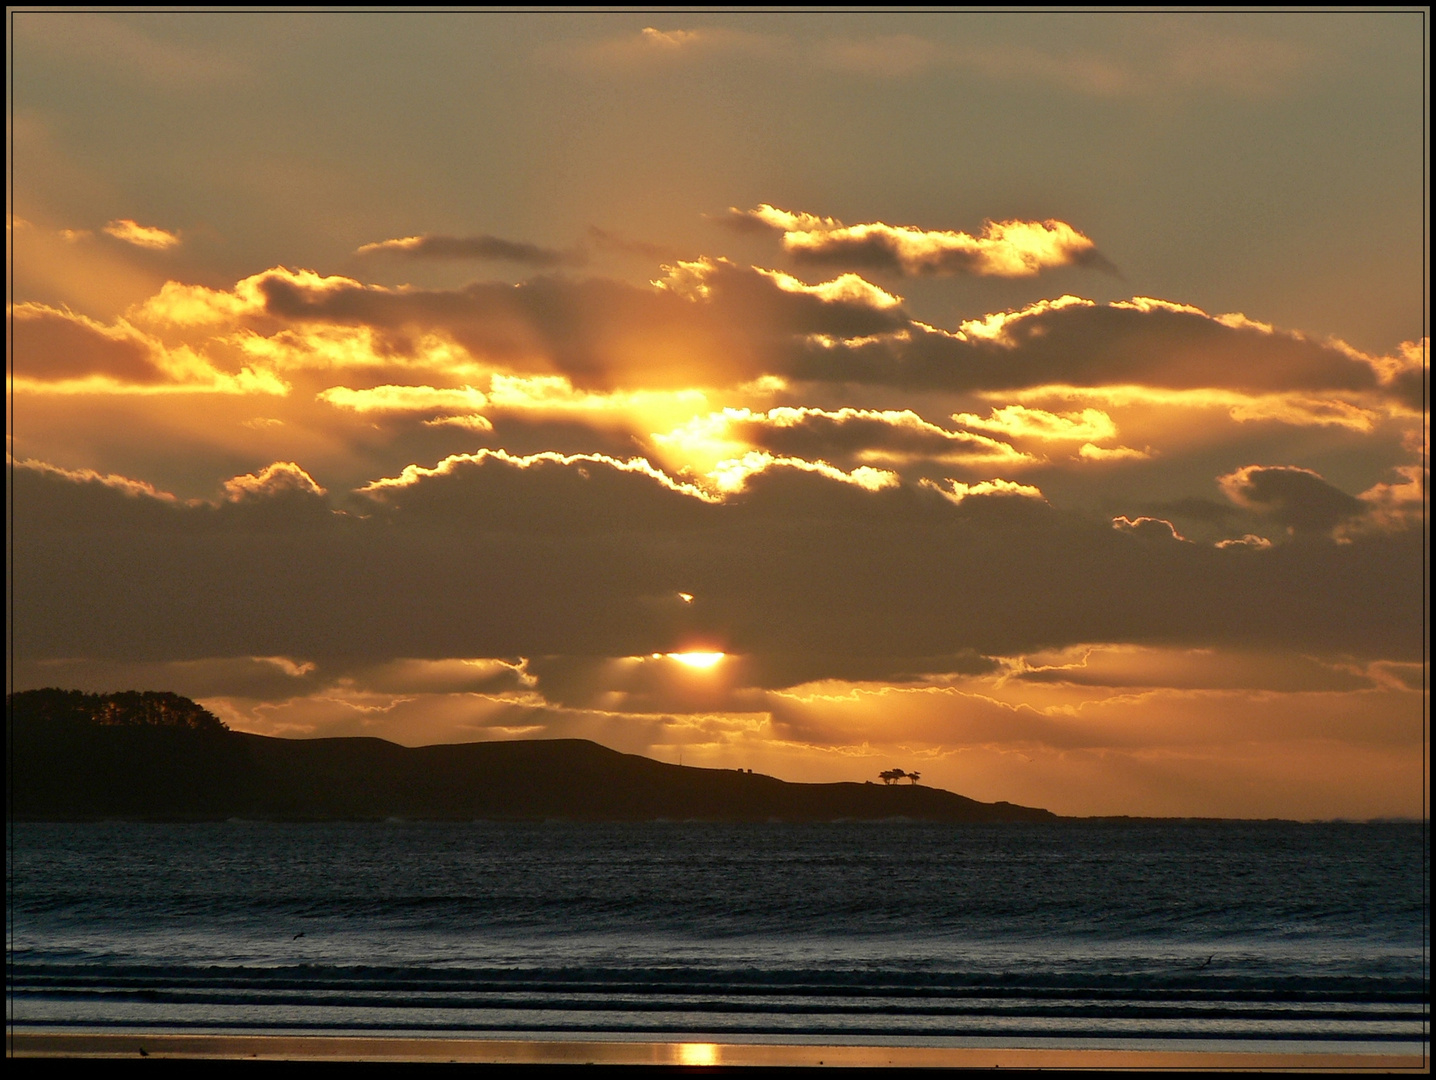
[{"x": 85, "y": 760}]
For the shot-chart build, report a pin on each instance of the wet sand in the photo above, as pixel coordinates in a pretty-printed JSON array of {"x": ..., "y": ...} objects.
[{"x": 526, "y": 1052}]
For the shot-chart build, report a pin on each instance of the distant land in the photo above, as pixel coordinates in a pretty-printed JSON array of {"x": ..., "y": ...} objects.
[{"x": 151, "y": 756}]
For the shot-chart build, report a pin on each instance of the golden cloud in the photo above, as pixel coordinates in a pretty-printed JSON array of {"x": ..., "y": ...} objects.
[
  {"x": 390, "y": 398},
  {"x": 145, "y": 236},
  {"x": 60, "y": 352},
  {"x": 276, "y": 479},
  {"x": 734, "y": 474},
  {"x": 864, "y": 435},
  {"x": 1003, "y": 249},
  {"x": 1021, "y": 422},
  {"x": 956, "y": 491},
  {"x": 416, "y": 474}
]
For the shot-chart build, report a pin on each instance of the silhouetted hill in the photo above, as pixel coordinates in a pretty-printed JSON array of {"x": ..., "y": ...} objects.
[{"x": 70, "y": 764}]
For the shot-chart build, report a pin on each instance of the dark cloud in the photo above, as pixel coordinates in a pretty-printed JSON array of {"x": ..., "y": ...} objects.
[
  {"x": 1206, "y": 511},
  {"x": 51, "y": 345},
  {"x": 1204, "y": 670},
  {"x": 491, "y": 557},
  {"x": 1294, "y": 497},
  {"x": 1156, "y": 530},
  {"x": 438, "y": 246},
  {"x": 272, "y": 678},
  {"x": 1412, "y": 388},
  {"x": 863, "y": 435},
  {"x": 1082, "y": 345}
]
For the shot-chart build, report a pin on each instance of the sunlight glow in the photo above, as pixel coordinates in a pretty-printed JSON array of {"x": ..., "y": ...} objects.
[
  {"x": 696, "y": 659},
  {"x": 697, "y": 1053}
]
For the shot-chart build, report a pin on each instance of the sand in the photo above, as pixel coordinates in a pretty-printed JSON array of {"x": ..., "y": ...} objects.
[{"x": 500, "y": 1051}]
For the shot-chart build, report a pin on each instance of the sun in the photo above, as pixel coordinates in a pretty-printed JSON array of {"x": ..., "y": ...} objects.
[{"x": 696, "y": 659}]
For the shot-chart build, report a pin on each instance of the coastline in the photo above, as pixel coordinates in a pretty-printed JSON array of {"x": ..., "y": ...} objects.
[{"x": 398, "y": 1049}]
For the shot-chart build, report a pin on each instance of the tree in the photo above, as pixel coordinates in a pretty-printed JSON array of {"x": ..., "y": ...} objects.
[
  {"x": 128, "y": 708},
  {"x": 889, "y": 775},
  {"x": 912, "y": 777}
]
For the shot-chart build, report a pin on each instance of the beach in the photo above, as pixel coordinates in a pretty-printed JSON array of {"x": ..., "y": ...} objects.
[{"x": 903, "y": 944}]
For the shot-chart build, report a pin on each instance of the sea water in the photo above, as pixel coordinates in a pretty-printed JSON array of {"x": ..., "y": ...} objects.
[{"x": 1221, "y": 936}]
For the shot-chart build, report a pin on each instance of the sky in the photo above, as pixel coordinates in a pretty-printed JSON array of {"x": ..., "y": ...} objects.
[{"x": 1037, "y": 401}]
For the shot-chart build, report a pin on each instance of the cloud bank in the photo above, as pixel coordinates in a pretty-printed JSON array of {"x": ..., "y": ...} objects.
[{"x": 1049, "y": 553}]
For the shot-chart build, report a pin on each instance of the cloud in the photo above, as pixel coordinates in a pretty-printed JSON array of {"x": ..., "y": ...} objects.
[
  {"x": 798, "y": 565},
  {"x": 1003, "y": 249},
  {"x": 1092, "y": 452},
  {"x": 434, "y": 246},
  {"x": 1149, "y": 528},
  {"x": 1131, "y": 667},
  {"x": 265, "y": 677},
  {"x": 280, "y": 478},
  {"x": 737, "y": 473},
  {"x": 122, "y": 484},
  {"x": 58, "y": 351},
  {"x": 848, "y": 288},
  {"x": 1250, "y": 540},
  {"x": 1401, "y": 505},
  {"x": 405, "y": 399},
  {"x": 145, "y": 236},
  {"x": 706, "y": 323},
  {"x": 1295, "y": 497},
  {"x": 52, "y": 345},
  {"x": 669, "y": 39},
  {"x": 956, "y": 491},
  {"x": 712, "y": 323},
  {"x": 1118, "y": 347},
  {"x": 1019, "y": 421},
  {"x": 859, "y": 435},
  {"x": 720, "y": 279}
]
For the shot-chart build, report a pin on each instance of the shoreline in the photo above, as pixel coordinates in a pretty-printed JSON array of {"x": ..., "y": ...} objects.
[
  {"x": 898, "y": 819},
  {"x": 679, "y": 1053}
]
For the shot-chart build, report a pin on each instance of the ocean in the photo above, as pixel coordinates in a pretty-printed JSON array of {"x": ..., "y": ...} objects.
[{"x": 1250, "y": 936}]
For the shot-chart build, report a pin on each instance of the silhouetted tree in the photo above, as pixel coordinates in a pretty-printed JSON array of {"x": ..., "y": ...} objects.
[
  {"x": 912, "y": 777},
  {"x": 889, "y": 775},
  {"x": 129, "y": 708}
]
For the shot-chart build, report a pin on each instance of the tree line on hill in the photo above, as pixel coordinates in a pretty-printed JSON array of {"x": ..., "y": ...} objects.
[
  {"x": 147, "y": 755},
  {"x": 128, "y": 708}
]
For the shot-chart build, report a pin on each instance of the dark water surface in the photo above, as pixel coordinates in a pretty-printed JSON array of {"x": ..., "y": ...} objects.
[{"x": 1226, "y": 935}]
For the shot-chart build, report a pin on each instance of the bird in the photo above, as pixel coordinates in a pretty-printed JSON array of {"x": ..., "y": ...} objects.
[{"x": 297, "y": 936}]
